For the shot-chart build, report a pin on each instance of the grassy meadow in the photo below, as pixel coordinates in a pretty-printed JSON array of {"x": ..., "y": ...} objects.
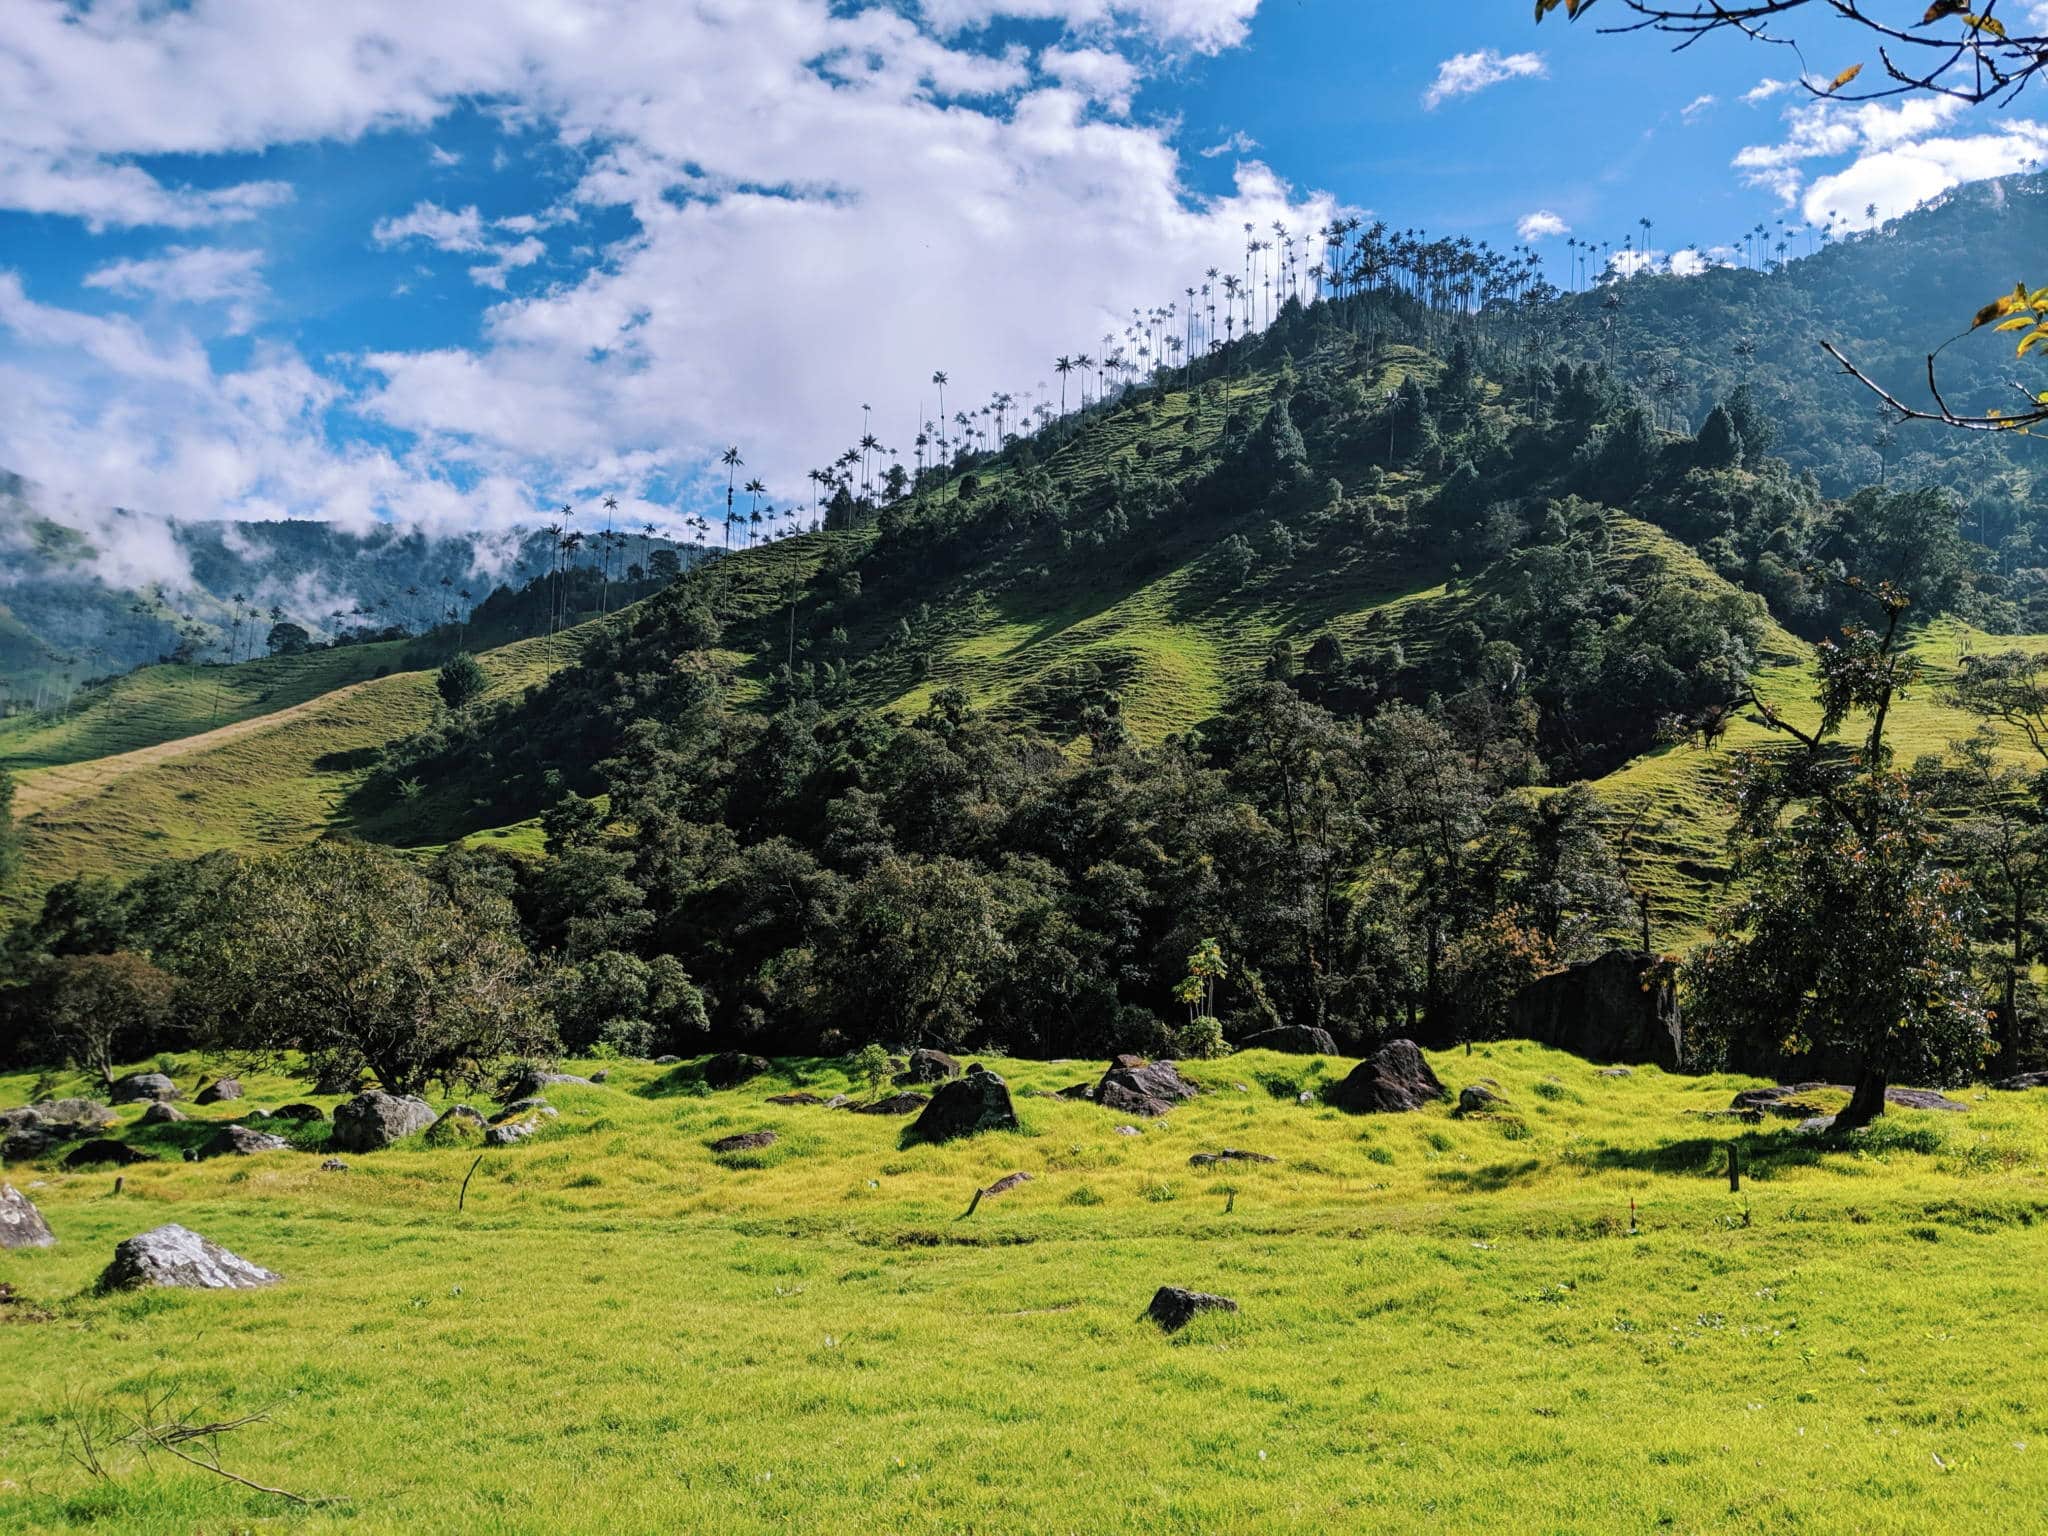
[{"x": 1446, "y": 1322}]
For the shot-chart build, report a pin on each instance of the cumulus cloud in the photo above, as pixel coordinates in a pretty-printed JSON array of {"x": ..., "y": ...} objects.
[
  {"x": 783, "y": 171},
  {"x": 1541, "y": 225},
  {"x": 1898, "y": 157},
  {"x": 1764, "y": 90},
  {"x": 1697, "y": 105},
  {"x": 191, "y": 275},
  {"x": 1464, "y": 73}
]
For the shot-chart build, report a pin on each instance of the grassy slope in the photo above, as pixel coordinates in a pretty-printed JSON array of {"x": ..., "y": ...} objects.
[
  {"x": 1446, "y": 1323},
  {"x": 267, "y": 780}
]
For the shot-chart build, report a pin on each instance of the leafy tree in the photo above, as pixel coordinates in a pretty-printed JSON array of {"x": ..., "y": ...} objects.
[
  {"x": 352, "y": 957},
  {"x": 664, "y": 564},
  {"x": 287, "y": 638},
  {"x": 1234, "y": 559},
  {"x": 1719, "y": 444},
  {"x": 97, "y": 1010},
  {"x": 923, "y": 941},
  {"x": 1850, "y": 935},
  {"x": 461, "y": 681}
]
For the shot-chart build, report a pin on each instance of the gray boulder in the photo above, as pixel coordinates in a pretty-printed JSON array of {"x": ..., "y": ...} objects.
[
  {"x": 1392, "y": 1080},
  {"x": 1174, "y": 1308},
  {"x": 220, "y": 1090},
  {"x": 927, "y": 1066},
  {"x": 1228, "y": 1155},
  {"x": 1132, "y": 1086},
  {"x": 1294, "y": 1039},
  {"x": 140, "y": 1086},
  {"x": 526, "y": 1108},
  {"x": 177, "y": 1256},
  {"x": 1478, "y": 1098},
  {"x": 240, "y": 1141},
  {"x": 531, "y": 1082},
  {"x": 510, "y": 1132},
  {"x": 21, "y": 1224},
  {"x": 374, "y": 1120},
  {"x": 966, "y": 1106},
  {"x": 746, "y": 1141},
  {"x": 162, "y": 1114},
  {"x": 1620, "y": 1007}
]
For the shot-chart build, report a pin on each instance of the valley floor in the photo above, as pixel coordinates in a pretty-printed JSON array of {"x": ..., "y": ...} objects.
[{"x": 1447, "y": 1323}]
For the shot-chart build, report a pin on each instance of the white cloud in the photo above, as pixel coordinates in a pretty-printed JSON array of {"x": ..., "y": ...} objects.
[
  {"x": 1541, "y": 225},
  {"x": 108, "y": 196},
  {"x": 1237, "y": 143},
  {"x": 1629, "y": 261},
  {"x": 779, "y": 163},
  {"x": 1205, "y": 26},
  {"x": 1898, "y": 155},
  {"x": 442, "y": 158},
  {"x": 443, "y": 228},
  {"x": 1764, "y": 90},
  {"x": 1105, "y": 77},
  {"x": 191, "y": 275},
  {"x": 1464, "y": 73},
  {"x": 1696, "y": 106}
]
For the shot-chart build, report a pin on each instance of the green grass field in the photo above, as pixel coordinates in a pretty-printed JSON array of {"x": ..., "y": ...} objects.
[{"x": 1447, "y": 1323}]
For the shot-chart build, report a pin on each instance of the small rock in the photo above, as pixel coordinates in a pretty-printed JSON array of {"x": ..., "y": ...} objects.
[
  {"x": 220, "y": 1090},
  {"x": 1077, "y": 1091},
  {"x": 667, "y": 1061},
  {"x": 162, "y": 1114},
  {"x": 794, "y": 1098},
  {"x": 333, "y": 1165},
  {"x": 895, "y": 1104},
  {"x": 1393, "y": 1080},
  {"x": 177, "y": 1256},
  {"x": 728, "y": 1069},
  {"x": 967, "y": 1106},
  {"x": 2022, "y": 1081},
  {"x": 1228, "y": 1155},
  {"x": 1616, "y": 1072},
  {"x": 372, "y": 1121},
  {"x": 139, "y": 1086},
  {"x": 307, "y": 1113},
  {"x": 1819, "y": 1125},
  {"x": 509, "y": 1132},
  {"x": 240, "y": 1141},
  {"x": 1128, "y": 1130},
  {"x": 1477, "y": 1098},
  {"x": 839, "y": 1101},
  {"x": 1005, "y": 1184},
  {"x": 21, "y": 1224},
  {"x": 1174, "y": 1308},
  {"x": 93, "y": 1154},
  {"x": 601, "y": 1075},
  {"x": 746, "y": 1141},
  {"x": 1304, "y": 1097}
]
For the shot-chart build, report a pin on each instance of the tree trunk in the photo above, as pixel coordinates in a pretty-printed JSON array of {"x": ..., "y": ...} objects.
[{"x": 1866, "y": 1103}]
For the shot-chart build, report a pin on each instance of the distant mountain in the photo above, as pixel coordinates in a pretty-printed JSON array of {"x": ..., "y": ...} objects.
[{"x": 78, "y": 603}]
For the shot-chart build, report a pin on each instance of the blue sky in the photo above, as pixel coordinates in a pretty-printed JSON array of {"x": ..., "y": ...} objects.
[{"x": 451, "y": 263}]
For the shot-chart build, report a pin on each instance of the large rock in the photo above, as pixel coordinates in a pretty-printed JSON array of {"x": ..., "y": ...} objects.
[
  {"x": 21, "y": 1224},
  {"x": 1620, "y": 1007},
  {"x": 1174, "y": 1308},
  {"x": 220, "y": 1090},
  {"x": 1132, "y": 1086},
  {"x": 1294, "y": 1039},
  {"x": 175, "y": 1255},
  {"x": 928, "y": 1066},
  {"x": 745, "y": 1141},
  {"x": 728, "y": 1069},
  {"x": 2022, "y": 1081},
  {"x": 1393, "y": 1079},
  {"x": 965, "y": 1106},
  {"x": 162, "y": 1114},
  {"x": 374, "y": 1120},
  {"x": 33, "y": 1130},
  {"x": 240, "y": 1141},
  {"x": 139, "y": 1087},
  {"x": 100, "y": 1152}
]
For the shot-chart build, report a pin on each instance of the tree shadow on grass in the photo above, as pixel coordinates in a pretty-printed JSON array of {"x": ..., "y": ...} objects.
[
  {"x": 1491, "y": 1179},
  {"x": 1761, "y": 1154}
]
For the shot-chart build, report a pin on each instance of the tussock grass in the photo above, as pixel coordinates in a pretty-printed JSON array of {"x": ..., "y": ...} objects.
[{"x": 1446, "y": 1321}]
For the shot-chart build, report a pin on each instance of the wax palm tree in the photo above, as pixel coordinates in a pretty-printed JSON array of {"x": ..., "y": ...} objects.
[
  {"x": 755, "y": 489},
  {"x": 939, "y": 378},
  {"x": 732, "y": 461},
  {"x": 1063, "y": 365}
]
